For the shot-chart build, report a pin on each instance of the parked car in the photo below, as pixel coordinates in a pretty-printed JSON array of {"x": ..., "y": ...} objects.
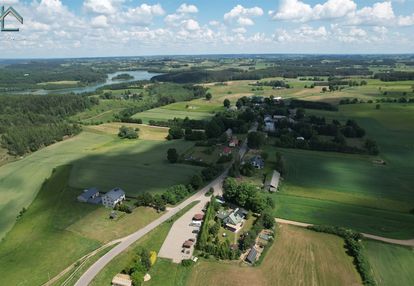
[{"x": 195, "y": 231}]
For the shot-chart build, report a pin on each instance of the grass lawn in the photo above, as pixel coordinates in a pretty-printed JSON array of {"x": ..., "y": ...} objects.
[
  {"x": 152, "y": 241},
  {"x": 350, "y": 190},
  {"x": 298, "y": 257},
  {"x": 392, "y": 265}
]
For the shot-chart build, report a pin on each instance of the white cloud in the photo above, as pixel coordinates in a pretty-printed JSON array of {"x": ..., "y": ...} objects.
[
  {"x": 182, "y": 13},
  {"x": 406, "y": 20},
  {"x": 300, "y": 11},
  {"x": 102, "y": 6},
  {"x": 191, "y": 25},
  {"x": 379, "y": 13},
  {"x": 187, "y": 9},
  {"x": 240, "y": 30},
  {"x": 100, "y": 21},
  {"x": 243, "y": 16},
  {"x": 141, "y": 15}
]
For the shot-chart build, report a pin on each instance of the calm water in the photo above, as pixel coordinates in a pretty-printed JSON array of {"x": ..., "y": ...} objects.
[{"x": 138, "y": 75}]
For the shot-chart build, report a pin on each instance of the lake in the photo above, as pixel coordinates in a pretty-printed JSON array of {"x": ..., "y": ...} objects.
[{"x": 137, "y": 75}]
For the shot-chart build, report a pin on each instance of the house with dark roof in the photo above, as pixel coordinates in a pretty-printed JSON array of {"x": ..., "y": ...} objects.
[
  {"x": 113, "y": 197},
  {"x": 251, "y": 257},
  {"x": 91, "y": 196},
  {"x": 257, "y": 162}
]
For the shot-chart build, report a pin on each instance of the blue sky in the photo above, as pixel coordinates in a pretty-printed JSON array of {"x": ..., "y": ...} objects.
[{"x": 83, "y": 28}]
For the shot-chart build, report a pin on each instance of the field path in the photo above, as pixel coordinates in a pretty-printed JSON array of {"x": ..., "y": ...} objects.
[{"x": 408, "y": 242}]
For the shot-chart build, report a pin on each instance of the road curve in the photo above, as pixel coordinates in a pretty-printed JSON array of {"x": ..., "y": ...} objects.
[
  {"x": 88, "y": 276},
  {"x": 408, "y": 242}
]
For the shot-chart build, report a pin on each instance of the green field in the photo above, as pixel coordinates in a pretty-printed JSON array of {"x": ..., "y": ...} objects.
[
  {"x": 392, "y": 265},
  {"x": 350, "y": 190},
  {"x": 40, "y": 246},
  {"x": 163, "y": 114},
  {"x": 100, "y": 160}
]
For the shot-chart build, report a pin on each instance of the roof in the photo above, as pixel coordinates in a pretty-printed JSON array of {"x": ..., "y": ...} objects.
[
  {"x": 274, "y": 180},
  {"x": 122, "y": 280},
  {"x": 257, "y": 160},
  {"x": 234, "y": 218},
  {"x": 115, "y": 194},
  {"x": 251, "y": 257},
  {"x": 198, "y": 217},
  {"x": 222, "y": 214},
  {"x": 227, "y": 150},
  {"x": 89, "y": 193}
]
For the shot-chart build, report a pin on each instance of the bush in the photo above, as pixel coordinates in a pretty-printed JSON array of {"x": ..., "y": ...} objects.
[
  {"x": 172, "y": 155},
  {"x": 354, "y": 249},
  {"x": 127, "y": 133},
  {"x": 124, "y": 208},
  {"x": 187, "y": 263}
]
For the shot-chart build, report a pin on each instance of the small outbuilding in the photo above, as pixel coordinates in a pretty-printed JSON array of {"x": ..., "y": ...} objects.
[
  {"x": 122, "y": 280},
  {"x": 272, "y": 184},
  {"x": 251, "y": 257},
  {"x": 91, "y": 196}
]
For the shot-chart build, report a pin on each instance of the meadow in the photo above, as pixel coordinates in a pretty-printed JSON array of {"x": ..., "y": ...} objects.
[
  {"x": 164, "y": 114},
  {"x": 298, "y": 257},
  {"x": 351, "y": 190},
  {"x": 100, "y": 159},
  {"x": 392, "y": 265}
]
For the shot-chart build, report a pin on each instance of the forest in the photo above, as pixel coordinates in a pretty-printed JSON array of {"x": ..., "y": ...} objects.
[{"x": 29, "y": 122}]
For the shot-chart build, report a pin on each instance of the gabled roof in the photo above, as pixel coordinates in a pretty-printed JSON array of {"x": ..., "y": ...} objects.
[
  {"x": 89, "y": 193},
  {"x": 115, "y": 194},
  {"x": 251, "y": 257}
]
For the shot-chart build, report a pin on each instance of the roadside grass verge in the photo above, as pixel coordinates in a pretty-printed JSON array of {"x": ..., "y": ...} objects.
[{"x": 151, "y": 241}]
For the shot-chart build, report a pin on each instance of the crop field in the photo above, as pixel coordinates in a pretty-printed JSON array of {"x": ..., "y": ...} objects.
[
  {"x": 163, "y": 114},
  {"x": 105, "y": 111},
  {"x": 21, "y": 180},
  {"x": 135, "y": 166},
  {"x": 392, "y": 265},
  {"x": 100, "y": 160},
  {"x": 298, "y": 257},
  {"x": 351, "y": 190},
  {"x": 146, "y": 132}
]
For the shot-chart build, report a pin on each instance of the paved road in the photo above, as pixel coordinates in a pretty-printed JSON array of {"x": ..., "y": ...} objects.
[
  {"x": 125, "y": 242},
  {"x": 408, "y": 242},
  {"x": 88, "y": 276}
]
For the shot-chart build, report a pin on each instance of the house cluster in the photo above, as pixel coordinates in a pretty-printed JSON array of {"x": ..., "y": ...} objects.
[
  {"x": 234, "y": 219},
  {"x": 232, "y": 141},
  {"x": 270, "y": 122},
  {"x": 110, "y": 199}
]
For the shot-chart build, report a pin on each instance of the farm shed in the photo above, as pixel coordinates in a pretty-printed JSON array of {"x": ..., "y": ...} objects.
[{"x": 272, "y": 184}]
